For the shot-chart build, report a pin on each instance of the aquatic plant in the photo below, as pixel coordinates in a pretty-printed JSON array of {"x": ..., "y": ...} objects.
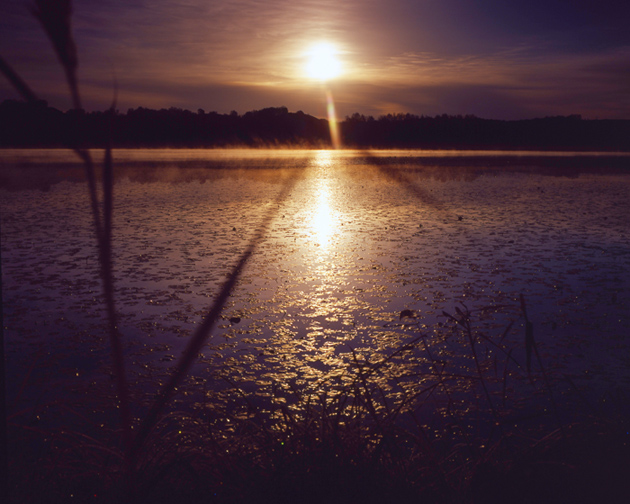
[{"x": 55, "y": 18}]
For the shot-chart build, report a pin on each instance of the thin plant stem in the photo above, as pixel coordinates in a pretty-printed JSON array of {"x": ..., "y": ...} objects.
[
  {"x": 4, "y": 438},
  {"x": 54, "y": 17},
  {"x": 464, "y": 321},
  {"x": 203, "y": 332},
  {"x": 18, "y": 83},
  {"x": 530, "y": 345}
]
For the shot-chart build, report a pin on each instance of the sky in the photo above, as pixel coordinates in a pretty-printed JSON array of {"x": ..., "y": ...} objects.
[{"x": 495, "y": 59}]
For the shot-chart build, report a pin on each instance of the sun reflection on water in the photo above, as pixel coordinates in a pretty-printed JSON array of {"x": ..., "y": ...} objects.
[{"x": 323, "y": 221}]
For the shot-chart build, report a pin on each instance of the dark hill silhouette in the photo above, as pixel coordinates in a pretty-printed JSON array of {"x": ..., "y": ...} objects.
[
  {"x": 471, "y": 132},
  {"x": 25, "y": 124}
]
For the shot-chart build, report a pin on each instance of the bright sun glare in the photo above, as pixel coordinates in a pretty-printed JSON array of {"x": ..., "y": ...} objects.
[{"x": 323, "y": 63}]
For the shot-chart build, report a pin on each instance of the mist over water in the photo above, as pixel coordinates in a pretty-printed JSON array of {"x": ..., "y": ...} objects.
[{"x": 361, "y": 237}]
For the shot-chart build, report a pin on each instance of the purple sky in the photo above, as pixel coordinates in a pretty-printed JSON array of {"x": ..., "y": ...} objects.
[{"x": 492, "y": 58}]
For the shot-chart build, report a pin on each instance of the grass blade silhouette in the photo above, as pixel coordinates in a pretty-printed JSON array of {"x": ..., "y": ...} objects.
[
  {"x": 17, "y": 82},
  {"x": 55, "y": 18},
  {"x": 203, "y": 332},
  {"x": 4, "y": 439}
]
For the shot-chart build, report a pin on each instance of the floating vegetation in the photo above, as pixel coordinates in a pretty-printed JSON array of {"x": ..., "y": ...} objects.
[{"x": 357, "y": 356}]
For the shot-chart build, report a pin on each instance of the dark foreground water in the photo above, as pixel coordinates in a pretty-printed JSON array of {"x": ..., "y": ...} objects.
[{"x": 358, "y": 238}]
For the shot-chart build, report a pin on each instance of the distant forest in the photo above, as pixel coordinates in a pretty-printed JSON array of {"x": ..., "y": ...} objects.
[{"x": 25, "y": 124}]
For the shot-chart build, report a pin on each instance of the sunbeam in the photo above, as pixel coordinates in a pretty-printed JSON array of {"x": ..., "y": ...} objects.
[{"x": 335, "y": 138}]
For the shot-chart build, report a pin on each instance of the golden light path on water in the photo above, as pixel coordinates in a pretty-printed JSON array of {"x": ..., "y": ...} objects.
[
  {"x": 323, "y": 260},
  {"x": 323, "y": 222},
  {"x": 361, "y": 237}
]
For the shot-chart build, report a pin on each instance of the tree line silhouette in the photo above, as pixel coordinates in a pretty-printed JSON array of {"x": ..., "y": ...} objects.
[{"x": 25, "y": 124}]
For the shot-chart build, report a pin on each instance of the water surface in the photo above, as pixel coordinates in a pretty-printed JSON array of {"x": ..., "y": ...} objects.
[{"x": 360, "y": 237}]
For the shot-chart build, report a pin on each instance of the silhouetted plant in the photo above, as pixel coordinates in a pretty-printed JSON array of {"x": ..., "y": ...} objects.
[{"x": 55, "y": 18}]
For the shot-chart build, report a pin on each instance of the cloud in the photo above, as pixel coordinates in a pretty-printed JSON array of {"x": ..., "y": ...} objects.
[
  {"x": 221, "y": 40},
  {"x": 401, "y": 56},
  {"x": 519, "y": 83}
]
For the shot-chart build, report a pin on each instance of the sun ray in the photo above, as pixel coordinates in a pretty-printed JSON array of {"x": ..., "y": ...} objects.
[{"x": 332, "y": 120}]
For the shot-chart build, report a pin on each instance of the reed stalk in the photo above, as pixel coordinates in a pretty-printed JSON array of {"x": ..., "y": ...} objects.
[
  {"x": 201, "y": 335},
  {"x": 55, "y": 18},
  {"x": 4, "y": 440},
  {"x": 530, "y": 345},
  {"x": 464, "y": 321}
]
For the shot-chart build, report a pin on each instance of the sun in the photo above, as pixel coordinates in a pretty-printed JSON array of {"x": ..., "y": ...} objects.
[{"x": 323, "y": 63}]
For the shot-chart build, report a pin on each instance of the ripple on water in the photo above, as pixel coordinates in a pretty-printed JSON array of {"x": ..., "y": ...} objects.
[{"x": 355, "y": 243}]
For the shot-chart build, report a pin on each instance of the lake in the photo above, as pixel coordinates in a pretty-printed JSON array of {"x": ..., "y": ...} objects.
[{"x": 357, "y": 254}]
